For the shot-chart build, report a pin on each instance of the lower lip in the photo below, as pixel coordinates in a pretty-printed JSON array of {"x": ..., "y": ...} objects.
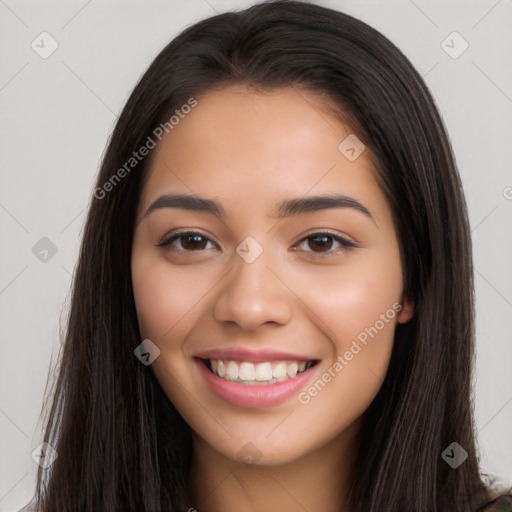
[{"x": 254, "y": 396}]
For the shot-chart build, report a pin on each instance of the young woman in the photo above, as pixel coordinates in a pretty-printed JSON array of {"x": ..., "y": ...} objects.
[{"x": 273, "y": 304}]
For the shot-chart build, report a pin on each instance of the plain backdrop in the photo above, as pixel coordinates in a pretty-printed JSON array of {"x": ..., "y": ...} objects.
[{"x": 56, "y": 116}]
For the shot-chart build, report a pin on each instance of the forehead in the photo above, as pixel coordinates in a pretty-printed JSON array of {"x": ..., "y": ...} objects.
[{"x": 252, "y": 146}]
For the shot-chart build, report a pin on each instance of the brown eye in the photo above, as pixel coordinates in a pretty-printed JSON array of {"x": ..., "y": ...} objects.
[
  {"x": 187, "y": 242},
  {"x": 319, "y": 243},
  {"x": 193, "y": 242},
  {"x": 325, "y": 244}
]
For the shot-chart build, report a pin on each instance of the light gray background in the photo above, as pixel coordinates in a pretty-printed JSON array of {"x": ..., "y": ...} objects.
[{"x": 57, "y": 113}]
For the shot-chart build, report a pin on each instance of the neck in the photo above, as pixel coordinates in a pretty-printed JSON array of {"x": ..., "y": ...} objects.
[{"x": 316, "y": 481}]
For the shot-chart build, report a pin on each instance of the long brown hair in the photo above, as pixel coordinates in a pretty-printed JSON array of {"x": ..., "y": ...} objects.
[{"x": 121, "y": 443}]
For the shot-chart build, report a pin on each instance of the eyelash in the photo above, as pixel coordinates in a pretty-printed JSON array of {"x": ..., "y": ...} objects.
[{"x": 344, "y": 243}]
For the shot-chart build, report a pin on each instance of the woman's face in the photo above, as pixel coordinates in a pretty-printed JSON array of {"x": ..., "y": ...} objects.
[{"x": 254, "y": 275}]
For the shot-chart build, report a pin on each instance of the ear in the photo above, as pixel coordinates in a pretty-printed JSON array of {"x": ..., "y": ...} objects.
[{"x": 407, "y": 312}]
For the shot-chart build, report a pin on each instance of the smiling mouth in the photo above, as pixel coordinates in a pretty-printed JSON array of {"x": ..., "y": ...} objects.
[{"x": 267, "y": 372}]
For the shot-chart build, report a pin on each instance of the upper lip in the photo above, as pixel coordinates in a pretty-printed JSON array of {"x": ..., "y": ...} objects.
[{"x": 251, "y": 355}]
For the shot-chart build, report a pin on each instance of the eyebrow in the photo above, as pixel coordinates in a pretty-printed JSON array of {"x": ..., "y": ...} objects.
[{"x": 287, "y": 208}]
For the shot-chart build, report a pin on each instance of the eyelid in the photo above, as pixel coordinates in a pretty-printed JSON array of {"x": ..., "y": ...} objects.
[
  {"x": 345, "y": 242},
  {"x": 173, "y": 235},
  {"x": 343, "y": 239}
]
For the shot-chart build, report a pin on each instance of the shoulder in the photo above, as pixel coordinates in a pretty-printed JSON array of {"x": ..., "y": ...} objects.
[{"x": 501, "y": 503}]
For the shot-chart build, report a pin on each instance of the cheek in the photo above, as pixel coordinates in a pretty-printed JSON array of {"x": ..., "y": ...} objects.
[
  {"x": 159, "y": 300},
  {"x": 166, "y": 300},
  {"x": 351, "y": 298},
  {"x": 154, "y": 298},
  {"x": 358, "y": 304},
  {"x": 363, "y": 318},
  {"x": 167, "y": 307}
]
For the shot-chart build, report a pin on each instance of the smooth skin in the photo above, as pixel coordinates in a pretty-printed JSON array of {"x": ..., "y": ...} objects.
[{"x": 250, "y": 150}]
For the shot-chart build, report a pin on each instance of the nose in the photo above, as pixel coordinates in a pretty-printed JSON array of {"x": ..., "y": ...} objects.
[{"x": 252, "y": 296}]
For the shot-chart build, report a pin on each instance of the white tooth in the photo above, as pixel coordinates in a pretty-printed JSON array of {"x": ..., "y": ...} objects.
[
  {"x": 247, "y": 371},
  {"x": 279, "y": 371},
  {"x": 263, "y": 371},
  {"x": 302, "y": 366},
  {"x": 292, "y": 370},
  {"x": 232, "y": 370},
  {"x": 213, "y": 363},
  {"x": 221, "y": 369}
]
